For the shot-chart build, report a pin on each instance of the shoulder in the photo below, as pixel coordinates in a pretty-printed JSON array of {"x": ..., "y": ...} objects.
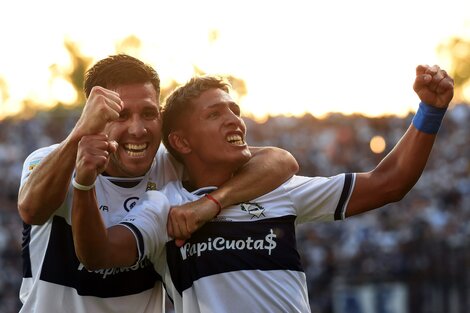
[
  {"x": 34, "y": 159},
  {"x": 166, "y": 167},
  {"x": 173, "y": 186},
  {"x": 154, "y": 196},
  {"x": 177, "y": 194},
  {"x": 162, "y": 153},
  {"x": 297, "y": 181},
  {"x": 41, "y": 152}
]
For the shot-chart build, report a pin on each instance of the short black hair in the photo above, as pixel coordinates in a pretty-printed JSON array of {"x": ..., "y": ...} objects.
[
  {"x": 120, "y": 69},
  {"x": 179, "y": 102}
]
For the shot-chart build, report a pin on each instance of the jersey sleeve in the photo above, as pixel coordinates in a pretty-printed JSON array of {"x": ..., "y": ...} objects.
[
  {"x": 147, "y": 221},
  {"x": 168, "y": 168},
  {"x": 33, "y": 160},
  {"x": 320, "y": 198}
]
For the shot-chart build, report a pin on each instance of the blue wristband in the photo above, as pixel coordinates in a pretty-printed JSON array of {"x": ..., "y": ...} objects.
[{"x": 428, "y": 118}]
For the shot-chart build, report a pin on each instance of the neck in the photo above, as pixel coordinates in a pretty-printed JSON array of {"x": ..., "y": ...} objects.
[{"x": 202, "y": 175}]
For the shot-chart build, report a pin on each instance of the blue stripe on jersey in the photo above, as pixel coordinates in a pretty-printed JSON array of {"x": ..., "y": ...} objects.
[
  {"x": 138, "y": 234},
  {"x": 61, "y": 266},
  {"x": 339, "y": 212},
  {"x": 220, "y": 247},
  {"x": 25, "y": 255}
]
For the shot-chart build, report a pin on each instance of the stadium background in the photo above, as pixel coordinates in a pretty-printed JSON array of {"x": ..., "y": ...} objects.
[{"x": 412, "y": 256}]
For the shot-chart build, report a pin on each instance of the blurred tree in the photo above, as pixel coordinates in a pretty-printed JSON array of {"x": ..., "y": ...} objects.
[
  {"x": 167, "y": 89},
  {"x": 80, "y": 64},
  {"x": 456, "y": 51},
  {"x": 4, "y": 94},
  {"x": 238, "y": 84},
  {"x": 130, "y": 45},
  {"x": 75, "y": 75}
]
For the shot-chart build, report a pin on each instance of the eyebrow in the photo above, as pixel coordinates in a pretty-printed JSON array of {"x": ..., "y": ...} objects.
[{"x": 222, "y": 103}]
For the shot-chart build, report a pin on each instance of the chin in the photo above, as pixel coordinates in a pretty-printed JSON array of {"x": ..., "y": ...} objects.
[
  {"x": 247, "y": 154},
  {"x": 134, "y": 168}
]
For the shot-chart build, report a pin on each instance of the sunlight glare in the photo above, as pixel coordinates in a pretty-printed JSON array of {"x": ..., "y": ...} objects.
[
  {"x": 63, "y": 91},
  {"x": 9, "y": 108},
  {"x": 466, "y": 92},
  {"x": 377, "y": 144},
  {"x": 295, "y": 57}
]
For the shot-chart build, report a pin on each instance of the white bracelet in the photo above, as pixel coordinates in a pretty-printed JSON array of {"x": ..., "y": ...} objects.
[{"x": 81, "y": 187}]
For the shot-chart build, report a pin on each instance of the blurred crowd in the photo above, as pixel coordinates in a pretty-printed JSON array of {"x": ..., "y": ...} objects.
[{"x": 421, "y": 242}]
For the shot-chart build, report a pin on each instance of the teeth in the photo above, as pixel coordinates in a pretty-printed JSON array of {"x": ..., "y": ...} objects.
[
  {"x": 135, "y": 150},
  {"x": 135, "y": 154},
  {"x": 235, "y": 139},
  {"x": 135, "y": 147}
]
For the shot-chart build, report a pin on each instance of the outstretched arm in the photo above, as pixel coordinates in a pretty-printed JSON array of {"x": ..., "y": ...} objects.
[
  {"x": 398, "y": 172},
  {"x": 46, "y": 187},
  {"x": 268, "y": 168}
]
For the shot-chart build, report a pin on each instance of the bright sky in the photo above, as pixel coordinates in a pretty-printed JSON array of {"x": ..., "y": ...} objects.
[{"x": 295, "y": 56}]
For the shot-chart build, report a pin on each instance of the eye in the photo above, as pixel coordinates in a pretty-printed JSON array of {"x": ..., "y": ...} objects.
[
  {"x": 151, "y": 114},
  {"x": 123, "y": 115},
  {"x": 213, "y": 114}
]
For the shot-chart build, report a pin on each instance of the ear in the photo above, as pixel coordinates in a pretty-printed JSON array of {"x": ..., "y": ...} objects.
[{"x": 179, "y": 142}]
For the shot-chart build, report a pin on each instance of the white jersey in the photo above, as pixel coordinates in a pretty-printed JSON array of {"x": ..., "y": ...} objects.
[
  {"x": 53, "y": 278},
  {"x": 246, "y": 259}
]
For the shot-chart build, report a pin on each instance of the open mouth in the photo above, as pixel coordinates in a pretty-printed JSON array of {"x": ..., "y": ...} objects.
[
  {"x": 135, "y": 150},
  {"x": 235, "y": 140}
]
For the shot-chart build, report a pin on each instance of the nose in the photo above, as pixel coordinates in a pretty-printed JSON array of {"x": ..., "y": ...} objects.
[
  {"x": 232, "y": 119},
  {"x": 137, "y": 127}
]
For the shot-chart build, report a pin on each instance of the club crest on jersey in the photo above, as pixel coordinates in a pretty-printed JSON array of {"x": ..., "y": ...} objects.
[
  {"x": 151, "y": 186},
  {"x": 32, "y": 165},
  {"x": 129, "y": 203},
  {"x": 254, "y": 209}
]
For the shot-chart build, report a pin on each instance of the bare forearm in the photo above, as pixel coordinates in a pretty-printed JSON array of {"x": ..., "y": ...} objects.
[
  {"x": 96, "y": 246},
  {"x": 46, "y": 188},
  {"x": 405, "y": 163},
  {"x": 395, "y": 175},
  {"x": 268, "y": 169},
  {"x": 89, "y": 231}
]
